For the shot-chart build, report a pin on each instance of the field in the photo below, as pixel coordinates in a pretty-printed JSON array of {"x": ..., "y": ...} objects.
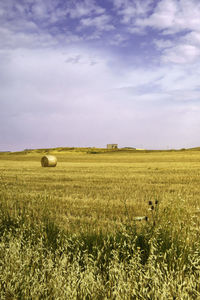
[{"x": 71, "y": 232}]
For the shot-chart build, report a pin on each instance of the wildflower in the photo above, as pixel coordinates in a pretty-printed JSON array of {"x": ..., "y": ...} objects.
[{"x": 150, "y": 203}]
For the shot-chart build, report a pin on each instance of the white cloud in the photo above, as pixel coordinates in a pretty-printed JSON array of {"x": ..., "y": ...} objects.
[
  {"x": 180, "y": 22},
  {"x": 52, "y": 81},
  {"x": 8, "y": 39},
  {"x": 39, "y": 10},
  {"x": 181, "y": 54},
  {"x": 129, "y": 10},
  {"x": 48, "y": 24},
  {"x": 181, "y": 50},
  {"x": 100, "y": 22},
  {"x": 76, "y": 96},
  {"x": 85, "y": 8},
  {"x": 192, "y": 38},
  {"x": 163, "y": 16},
  {"x": 163, "y": 44},
  {"x": 177, "y": 22},
  {"x": 118, "y": 39},
  {"x": 173, "y": 16}
]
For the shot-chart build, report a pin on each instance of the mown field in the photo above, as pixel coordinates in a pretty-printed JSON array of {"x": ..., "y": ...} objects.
[{"x": 70, "y": 232}]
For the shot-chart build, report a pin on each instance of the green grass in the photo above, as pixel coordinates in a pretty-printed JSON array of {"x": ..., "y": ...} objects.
[{"x": 69, "y": 232}]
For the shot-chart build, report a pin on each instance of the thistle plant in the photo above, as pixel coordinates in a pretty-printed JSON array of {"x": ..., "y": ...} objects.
[{"x": 153, "y": 208}]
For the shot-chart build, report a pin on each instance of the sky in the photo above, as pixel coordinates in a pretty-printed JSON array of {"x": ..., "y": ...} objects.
[{"x": 85, "y": 73}]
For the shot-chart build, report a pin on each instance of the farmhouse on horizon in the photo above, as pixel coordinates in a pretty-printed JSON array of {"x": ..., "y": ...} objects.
[{"x": 112, "y": 146}]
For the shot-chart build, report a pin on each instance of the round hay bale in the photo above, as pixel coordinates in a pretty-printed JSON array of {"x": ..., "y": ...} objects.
[{"x": 49, "y": 161}]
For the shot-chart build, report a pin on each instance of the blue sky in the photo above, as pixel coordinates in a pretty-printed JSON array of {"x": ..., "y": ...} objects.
[{"x": 88, "y": 73}]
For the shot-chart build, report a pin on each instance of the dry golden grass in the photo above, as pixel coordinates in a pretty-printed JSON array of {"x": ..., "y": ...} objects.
[
  {"x": 101, "y": 190},
  {"x": 94, "y": 197}
]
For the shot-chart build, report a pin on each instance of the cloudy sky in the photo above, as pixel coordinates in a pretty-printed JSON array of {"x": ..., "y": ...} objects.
[{"x": 88, "y": 73}]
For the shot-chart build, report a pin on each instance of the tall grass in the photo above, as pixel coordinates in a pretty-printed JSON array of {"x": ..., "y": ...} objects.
[
  {"x": 40, "y": 261},
  {"x": 56, "y": 241}
]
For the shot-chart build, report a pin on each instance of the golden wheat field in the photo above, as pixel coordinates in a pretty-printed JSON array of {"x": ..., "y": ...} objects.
[{"x": 70, "y": 232}]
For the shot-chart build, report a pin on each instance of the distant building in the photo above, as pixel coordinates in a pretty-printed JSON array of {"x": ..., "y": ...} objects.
[{"x": 112, "y": 146}]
